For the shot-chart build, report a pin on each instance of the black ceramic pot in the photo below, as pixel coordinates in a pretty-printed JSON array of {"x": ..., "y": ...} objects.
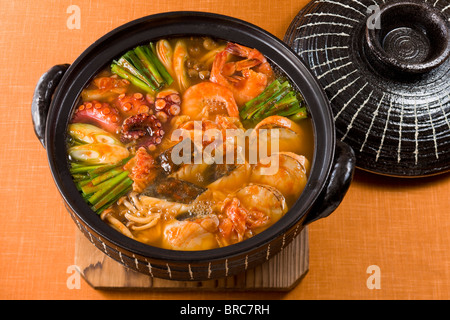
[{"x": 332, "y": 167}]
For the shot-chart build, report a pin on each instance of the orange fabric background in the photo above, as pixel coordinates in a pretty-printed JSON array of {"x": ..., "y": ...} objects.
[{"x": 402, "y": 226}]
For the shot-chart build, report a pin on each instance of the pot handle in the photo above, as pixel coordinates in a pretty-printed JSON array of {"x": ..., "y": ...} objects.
[
  {"x": 42, "y": 98},
  {"x": 337, "y": 184}
]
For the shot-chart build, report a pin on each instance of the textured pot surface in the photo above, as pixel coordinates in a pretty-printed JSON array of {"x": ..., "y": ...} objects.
[{"x": 384, "y": 66}]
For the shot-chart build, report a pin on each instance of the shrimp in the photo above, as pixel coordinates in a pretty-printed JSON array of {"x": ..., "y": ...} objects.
[
  {"x": 202, "y": 129},
  {"x": 208, "y": 130},
  {"x": 255, "y": 72},
  {"x": 248, "y": 211},
  {"x": 191, "y": 235},
  {"x": 206, "y": 100}
]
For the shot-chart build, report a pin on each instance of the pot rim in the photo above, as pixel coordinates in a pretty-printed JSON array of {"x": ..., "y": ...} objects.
[{"x": 123, "y": 38}]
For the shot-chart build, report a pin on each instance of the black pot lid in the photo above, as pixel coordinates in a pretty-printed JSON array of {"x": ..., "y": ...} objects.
[{"x": 384, "y": 66}]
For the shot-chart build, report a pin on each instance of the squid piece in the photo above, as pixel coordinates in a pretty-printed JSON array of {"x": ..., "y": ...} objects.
[
  {"x": 203, "y": 174},
  {"x": 180, "y": 56},
  {"x": 164, "y": 52},
  {"x": 98, "y": 153},
  {"x": 88, "y": 133},
  {"x": 169, "y": 208}
]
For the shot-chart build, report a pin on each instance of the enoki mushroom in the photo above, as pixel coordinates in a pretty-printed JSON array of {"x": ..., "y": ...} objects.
[
  {"x": 138, "y": 215},
  {"x": 116, "y": 224}
]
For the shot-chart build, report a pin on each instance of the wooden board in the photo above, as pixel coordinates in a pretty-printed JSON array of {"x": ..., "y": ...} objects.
[{"x": 281, "y": 273}]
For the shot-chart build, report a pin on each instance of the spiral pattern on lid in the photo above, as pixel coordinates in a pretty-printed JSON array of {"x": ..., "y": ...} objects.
[{"x": 397, "y": 125}]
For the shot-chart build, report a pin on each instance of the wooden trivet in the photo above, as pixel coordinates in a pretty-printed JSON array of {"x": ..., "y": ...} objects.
[{"x": 281, "y": 273}]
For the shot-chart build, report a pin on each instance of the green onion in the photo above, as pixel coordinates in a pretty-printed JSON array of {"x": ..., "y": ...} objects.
[
  {"x": 277, "y": 99},
  {"x": 142, "y": 68},
  {"x": 84, "y": 168},
  {"x": 101, "y": 185},
  {"x": 113, "y": 193},
  {"x": 269, "y": 104},
  {"x": 102, "y": 188},
  {"x": 287, "y": 101},
  {"x": 108, "y": 167},
  {"x": 116, "y": 197},
  {"x": 107, "y": 175},
  {"x": 300, "y": 115},
  {"x": 80, "y": 176},
  {"x": 146, "y": 62},
  {"x": 259, "y": 100},
  {"x": 132, "y": 63},
  {"x": 159, "y": 65},
  {"x": 123, "y": 73},
  {"x": 83, "y": 183}
]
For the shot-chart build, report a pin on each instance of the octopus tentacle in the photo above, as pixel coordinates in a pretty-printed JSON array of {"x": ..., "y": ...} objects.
[
  {"x": 167, "y": 104},
  {"x": 99, "y": 113},
  {"x": 132, "y": 104},
  {"x": 145, "y": 129}
]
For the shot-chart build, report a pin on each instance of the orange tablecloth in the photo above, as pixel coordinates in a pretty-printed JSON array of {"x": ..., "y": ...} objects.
[{"x": 401, "y": 226}]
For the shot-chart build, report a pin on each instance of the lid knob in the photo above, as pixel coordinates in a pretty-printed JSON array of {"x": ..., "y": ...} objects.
[{"x": 409, "y": 37}]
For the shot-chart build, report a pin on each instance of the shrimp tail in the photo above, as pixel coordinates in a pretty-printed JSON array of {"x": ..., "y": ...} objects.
[
  {"x": 245, "y": 52},
  {"x": 217, "y": 67}
]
